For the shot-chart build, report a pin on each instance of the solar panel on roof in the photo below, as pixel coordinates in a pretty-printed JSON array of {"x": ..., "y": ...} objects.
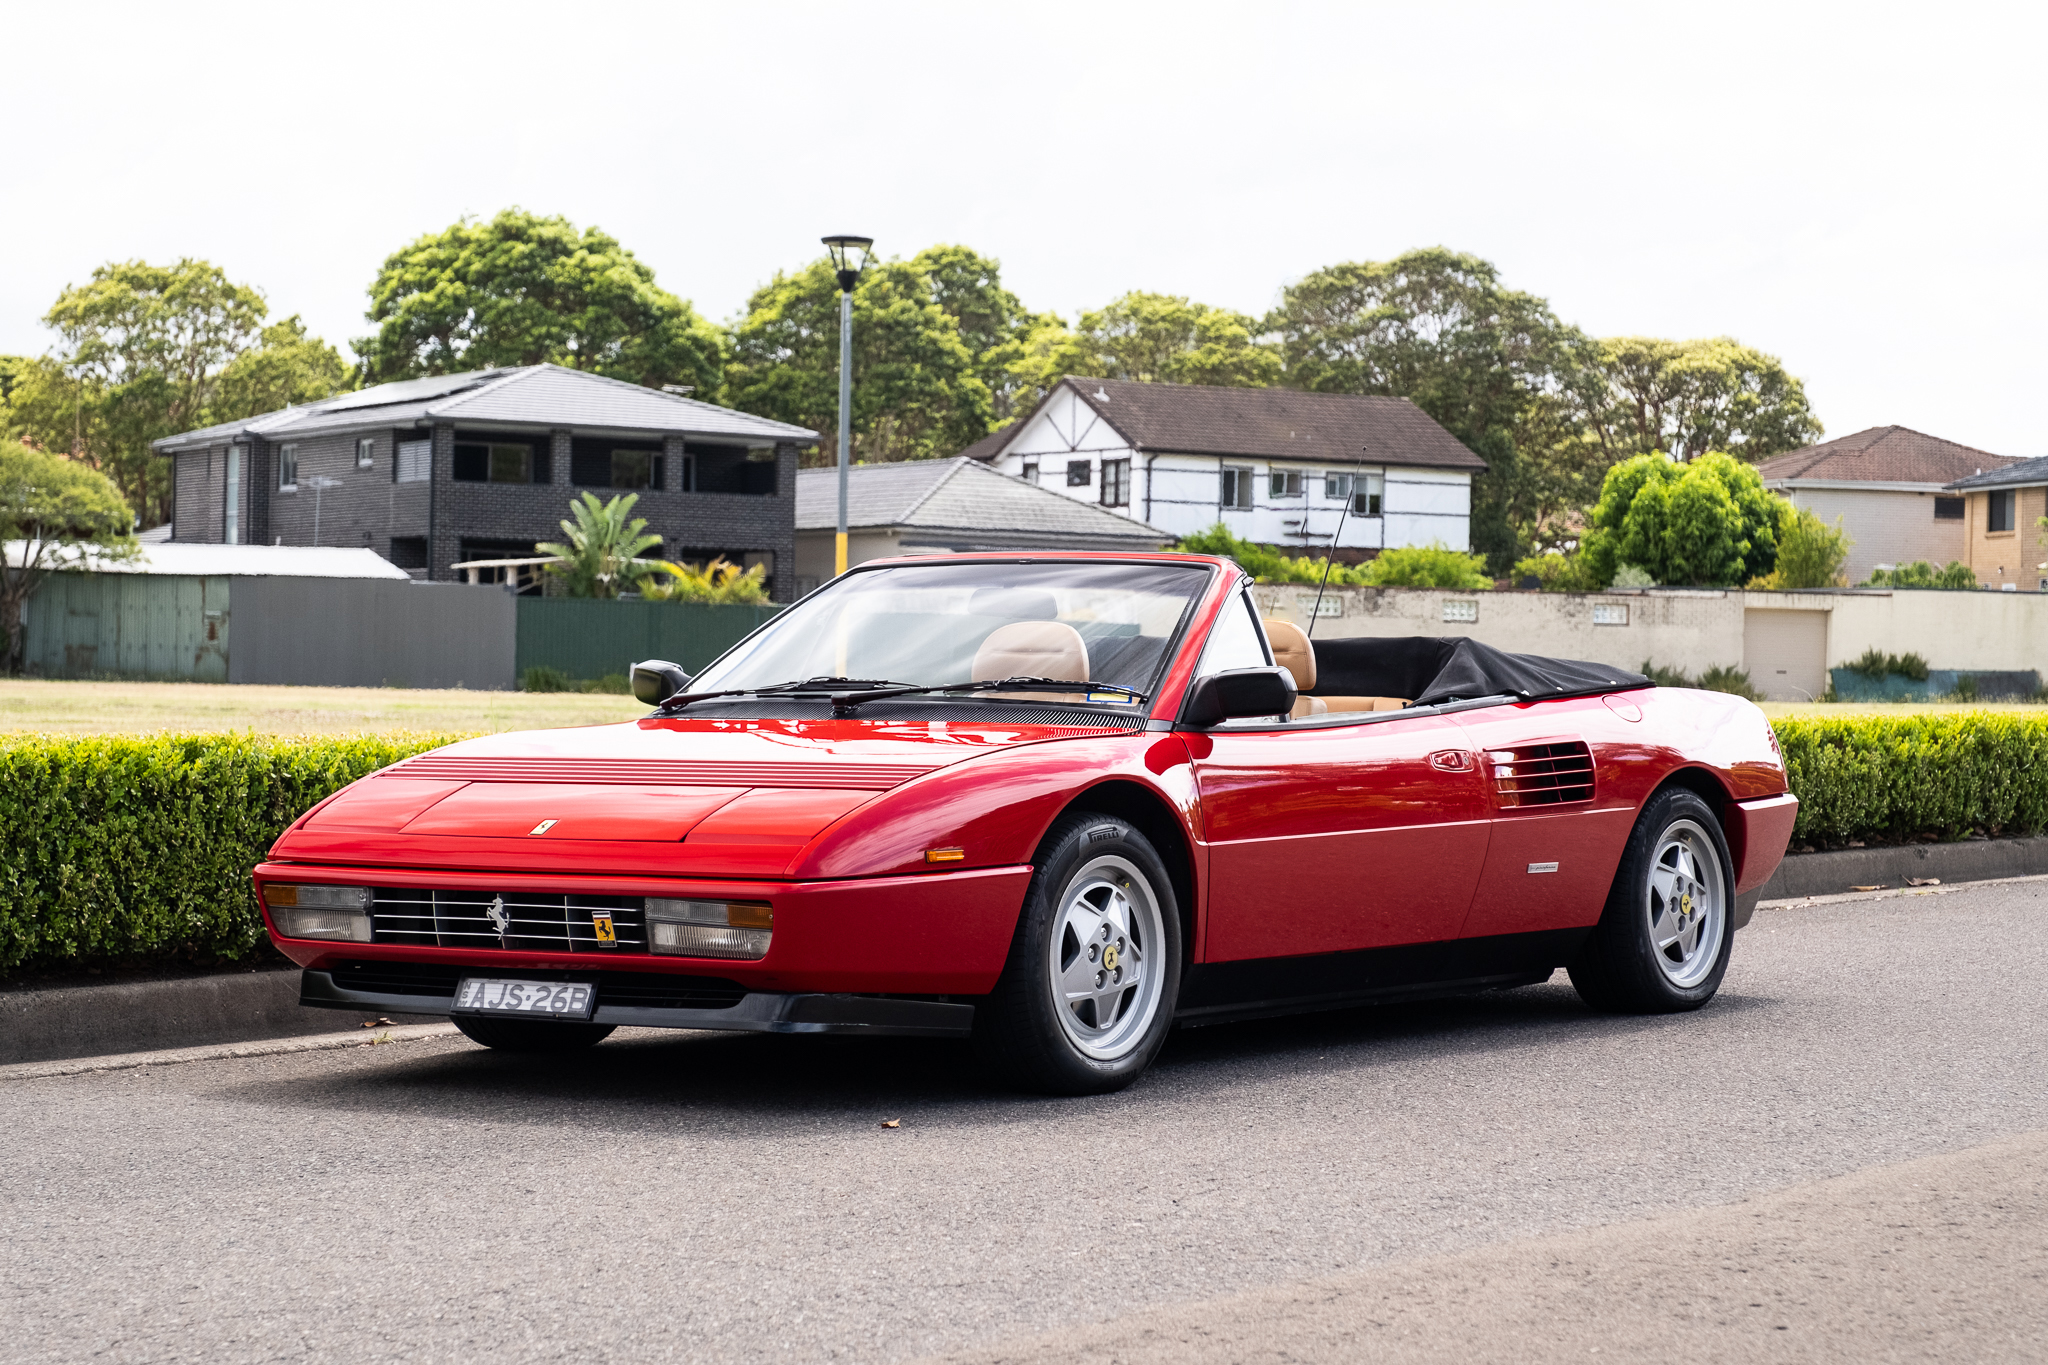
[{"x": 413, "y": 390}]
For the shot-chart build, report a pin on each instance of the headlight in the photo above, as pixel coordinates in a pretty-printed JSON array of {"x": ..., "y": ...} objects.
[
  {"x": 341, "y": 912},
  {"x": 709, "y": 928}
]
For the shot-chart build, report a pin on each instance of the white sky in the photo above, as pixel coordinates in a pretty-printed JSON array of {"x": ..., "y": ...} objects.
[{"x": 1858, "y": 188}]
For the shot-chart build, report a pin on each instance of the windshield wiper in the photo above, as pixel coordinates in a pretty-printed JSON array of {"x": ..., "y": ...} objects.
[
  {"x": 844, "y": 702},
  {"x": 796, "y": 688}
]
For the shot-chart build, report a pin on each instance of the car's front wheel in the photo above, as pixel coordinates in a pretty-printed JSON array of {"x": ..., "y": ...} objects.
[
  {"x": 1662, "y": 942},
  {"x": 530, "y": 1035},
  {"x": 1088, "y": 994}
]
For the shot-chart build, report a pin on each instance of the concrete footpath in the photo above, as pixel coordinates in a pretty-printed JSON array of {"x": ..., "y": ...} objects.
[{"x": 58, "y": 1023}]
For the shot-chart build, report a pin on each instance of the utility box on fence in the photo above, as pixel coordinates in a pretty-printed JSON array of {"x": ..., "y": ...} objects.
[{"x": 594, "y": 638}]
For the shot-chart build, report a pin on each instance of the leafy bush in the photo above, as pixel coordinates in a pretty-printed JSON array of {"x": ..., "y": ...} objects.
[
  {"x": 1887, "y": 778},
  {"x": 1554, "y": 572},
  {"x": 541, "y": 678},
  {"x": 1266, "y": 564},
  {"x": 1810, "y": 552},
  {"x": 1720, "y": 678},
  {"x": 123, "y": 847},
  {"x": 719, "y": 581},
  {"x": 1708, "y": 522},
  {"x": 1921, "y": 574},
  {"x": 1875, "y": 664},
  {"x": 1428, "y": 566}
]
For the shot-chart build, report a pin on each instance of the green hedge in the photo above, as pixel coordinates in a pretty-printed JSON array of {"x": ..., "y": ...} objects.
[
  {"x": 1895, "y": 778},
  {"x": 120, "y": 848}
]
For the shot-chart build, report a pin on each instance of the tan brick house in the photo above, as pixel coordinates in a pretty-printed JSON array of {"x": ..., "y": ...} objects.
[{"x": 2002, "y": 517}]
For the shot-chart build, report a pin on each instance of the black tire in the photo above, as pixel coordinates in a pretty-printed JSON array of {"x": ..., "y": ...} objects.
[
  {"x": 530, "y": 1035},
  {"x": 1019, "y": 1030},
  {"x": 1622, "y": 969}
]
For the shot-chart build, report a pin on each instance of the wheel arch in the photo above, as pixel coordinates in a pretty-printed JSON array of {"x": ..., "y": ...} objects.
[
  {"x": 1152, "y": 816},
  {"x": 1708, "y": 787}
]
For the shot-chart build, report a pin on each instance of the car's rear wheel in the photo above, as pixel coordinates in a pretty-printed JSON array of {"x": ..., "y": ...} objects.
[
  {"x": 1088, "y": 994},
  {"x": 530, "y": 1035},
  {"x": 1662, "y": 943}
]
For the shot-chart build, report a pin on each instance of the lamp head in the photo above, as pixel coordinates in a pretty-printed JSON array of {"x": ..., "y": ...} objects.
[{"x": 849, "y": 258}]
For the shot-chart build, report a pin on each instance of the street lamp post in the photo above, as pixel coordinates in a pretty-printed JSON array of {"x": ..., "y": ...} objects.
[{"x": 849, "y": 258}]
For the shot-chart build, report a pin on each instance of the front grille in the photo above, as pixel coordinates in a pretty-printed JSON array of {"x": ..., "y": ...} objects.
[
  {"x": 637, "y": 990},
  {"x": 433, "y": 918},
  {"x": 1543, "y": 774}
]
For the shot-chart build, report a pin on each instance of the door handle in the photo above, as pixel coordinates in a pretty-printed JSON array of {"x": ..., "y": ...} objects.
[{"x": 1452, "y": 761}]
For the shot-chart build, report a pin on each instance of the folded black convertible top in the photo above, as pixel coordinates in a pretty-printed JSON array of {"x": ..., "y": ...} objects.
[{"x": 1429, "y": 669}]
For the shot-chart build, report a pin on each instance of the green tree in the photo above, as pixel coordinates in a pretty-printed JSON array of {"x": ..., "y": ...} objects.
[
  {"x": 1710, "y": 522},
  {"x": 604, "y": 542},
  {"x": 1921, "y": 574},
  {"x": 1495, "y": 366},
  {"x": 1160, "y": 339},
  {"x": 1428, "y": 566},
  {"x": 13, "y": 369},
  {"x": 522, "y": 290},
  {"x": 917, "y": 390},
  {"x": 48, "y": 506},
  {"x": 1811, "y": 553},
  {"x": 287, "y": 366},
  {"x": 1689, "y": 397}
]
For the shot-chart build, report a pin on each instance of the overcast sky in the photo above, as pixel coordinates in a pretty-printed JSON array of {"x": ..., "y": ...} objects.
[{"x": 1859, "y": 189}]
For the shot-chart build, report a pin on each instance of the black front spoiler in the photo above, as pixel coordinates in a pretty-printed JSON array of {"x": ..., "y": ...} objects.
[{"x": 756, "y": 1012}]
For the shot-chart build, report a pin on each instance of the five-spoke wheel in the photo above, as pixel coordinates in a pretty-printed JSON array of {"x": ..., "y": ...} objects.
[{"x": 1662, "y": 942}]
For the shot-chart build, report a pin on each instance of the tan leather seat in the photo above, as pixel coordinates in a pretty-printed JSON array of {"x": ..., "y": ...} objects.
[
  {"x": 1295, "y": 652},
  {"x": 1033, "y": 649}
]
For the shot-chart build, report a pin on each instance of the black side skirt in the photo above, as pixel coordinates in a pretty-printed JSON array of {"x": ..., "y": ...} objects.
[{"x": 1217, "y": 991}]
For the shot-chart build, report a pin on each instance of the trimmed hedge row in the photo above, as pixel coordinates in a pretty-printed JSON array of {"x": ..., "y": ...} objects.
[
  {"x": 115, "y": 848},
  {"x": 1894, "y": 778}
]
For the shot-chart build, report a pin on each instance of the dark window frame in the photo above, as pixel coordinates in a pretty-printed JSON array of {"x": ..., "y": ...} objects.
[
  {"x": 1116, "y": 483},
  {"x": 2001, "y": 511},
  {"x": 1949, "y": 509},
  {"x": 1080, "y": 473}
]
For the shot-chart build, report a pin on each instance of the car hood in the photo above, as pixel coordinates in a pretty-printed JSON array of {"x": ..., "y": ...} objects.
[{"x": 658, "y": 797}]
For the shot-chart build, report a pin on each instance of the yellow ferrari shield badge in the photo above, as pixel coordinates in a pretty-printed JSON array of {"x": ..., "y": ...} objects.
[{"x": 602, "y": 923}]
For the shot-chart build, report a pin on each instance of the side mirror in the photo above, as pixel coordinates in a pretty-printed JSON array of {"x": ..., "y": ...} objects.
[
  {"x": 1237, "y": 692},
  {"x": 656, "y": 680}
]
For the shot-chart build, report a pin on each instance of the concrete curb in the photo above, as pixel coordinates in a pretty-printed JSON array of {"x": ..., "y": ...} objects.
[
  {"x": 1974, "y": 860},
  {"x": 135, "y": 1016},
  {"x": 324, "y": 1042}
]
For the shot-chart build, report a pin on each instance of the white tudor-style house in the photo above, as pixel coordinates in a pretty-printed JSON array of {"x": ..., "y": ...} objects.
[{"x": 1276, "y": 466}]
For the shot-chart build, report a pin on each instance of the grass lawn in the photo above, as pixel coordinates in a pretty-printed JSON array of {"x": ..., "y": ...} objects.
[
  {"x": 1774, "y": 709},
  {"x": 99, "y": 708}
]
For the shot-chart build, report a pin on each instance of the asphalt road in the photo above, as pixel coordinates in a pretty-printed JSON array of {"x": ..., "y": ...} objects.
[{"x": 1839, "y": 1159}]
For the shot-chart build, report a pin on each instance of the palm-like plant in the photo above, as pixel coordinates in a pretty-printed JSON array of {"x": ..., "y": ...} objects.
[{"x": 602, "y": 556}]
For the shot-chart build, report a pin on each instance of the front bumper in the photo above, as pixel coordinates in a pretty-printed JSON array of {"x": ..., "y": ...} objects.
[{"x": 753, "y": 1012}]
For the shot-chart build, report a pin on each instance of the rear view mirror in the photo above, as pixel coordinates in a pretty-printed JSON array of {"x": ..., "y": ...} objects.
[
  {"x": 1238, "y": 692},
  {"x": 656, "y": 680}
]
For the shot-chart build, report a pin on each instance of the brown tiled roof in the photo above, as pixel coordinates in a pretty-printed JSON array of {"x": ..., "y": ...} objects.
[
  {"x": 1883, "y": 455},
  {"x": 1269, "y": 424}
]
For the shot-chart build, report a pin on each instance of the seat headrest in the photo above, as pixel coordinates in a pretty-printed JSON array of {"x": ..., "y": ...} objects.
[
  {"x": 1032, "y": 649},
  {"x": 1293, "y": 651}
]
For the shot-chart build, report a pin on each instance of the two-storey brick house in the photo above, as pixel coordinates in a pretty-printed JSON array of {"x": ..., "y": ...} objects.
[{"x": 435, "y": 472}]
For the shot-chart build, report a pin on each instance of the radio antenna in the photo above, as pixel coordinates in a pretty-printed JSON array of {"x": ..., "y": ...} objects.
[{"x": 1330, "y": 555}]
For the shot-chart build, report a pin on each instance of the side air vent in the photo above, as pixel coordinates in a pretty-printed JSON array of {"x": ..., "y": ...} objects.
[{"x": 1543, "y": 774}]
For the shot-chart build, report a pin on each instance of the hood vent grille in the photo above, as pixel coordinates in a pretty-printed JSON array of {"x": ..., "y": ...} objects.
[
  {"x": 1543, "y": 774},
  {"x": 642, "y": 772}
]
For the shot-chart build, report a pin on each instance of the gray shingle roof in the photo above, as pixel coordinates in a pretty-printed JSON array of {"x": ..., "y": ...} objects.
[
  {"x": 2021, "y": 472},
  {"x": 529, "y": 395},
  {"x": 1272, "y": 424},
  {"x": 959, "y": 495},
  {"x": 1882, "y": 455}
]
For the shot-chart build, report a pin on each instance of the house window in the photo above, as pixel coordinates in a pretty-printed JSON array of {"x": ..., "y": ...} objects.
[
  {"x": 2001, "y": 510},
  {"x": 412, "y": 462},
  {"x": 288, "y": 468},
  {"x": 636, "y": 469},
  {"x": 366, "y": 453},
  {"x": 1283, "y": 483},
  {"x": 231, "y": 524},
  {"x": 1079, "y": 473},
  {"x": 723, "y": 469},
  {"x": 1116, "y": 483},
  {"x": 493, "y": 462},
  {"x": 1363, "y": 491},
  {"x": 1030, "y": 474},
  {"x": 1948, "y": 509},
  {"x": 1237, "y": 487}
]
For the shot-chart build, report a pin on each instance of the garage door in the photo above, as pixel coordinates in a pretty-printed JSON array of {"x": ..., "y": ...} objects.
[{"x": 1786, "y": 653}]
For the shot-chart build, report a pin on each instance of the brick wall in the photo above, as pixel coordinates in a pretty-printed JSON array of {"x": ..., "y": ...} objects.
[
  {"x": 1885, "y": 527},
  {"x": 2013, "y": 556}
]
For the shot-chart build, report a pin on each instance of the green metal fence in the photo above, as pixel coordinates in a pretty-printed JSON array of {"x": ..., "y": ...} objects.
[
  {"x": 101, "y": 625},
  {"x": 589, "y": 638}
]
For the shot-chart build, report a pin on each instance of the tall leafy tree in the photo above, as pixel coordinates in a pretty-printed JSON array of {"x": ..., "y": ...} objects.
[
  {"x": 1689, "y": 397},
  {"x": 1494, "y": 365},
  {"x": 997, "y": 330},
  {"x": 49, "y": 505},
  {"x": 1161, "y": 339},
  {"x": 287, "y": 366},
  {"x": 523, "y": 289},
  {"x": 917, "y": 387}
]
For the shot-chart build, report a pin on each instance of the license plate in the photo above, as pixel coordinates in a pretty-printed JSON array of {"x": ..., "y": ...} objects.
[{"x": 557, "y": 999}]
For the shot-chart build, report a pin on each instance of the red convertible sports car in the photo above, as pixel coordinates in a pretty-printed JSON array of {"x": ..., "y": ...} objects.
[{"x": 1056, "y": 803}]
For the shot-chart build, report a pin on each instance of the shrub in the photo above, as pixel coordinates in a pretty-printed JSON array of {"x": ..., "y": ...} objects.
[
  {"x": 1896, "y": 778},
  {"x": 1875, "y": 665},
  {"x": 122, "y": 847},
  {"x": 1554, "y": 572},
  {"x": 1810, "y": 552},
  {"x": 1428, "y": 566},
  {"x": 719, "y": 581},
  {"x": 1720, "y": 678},
  {"x": 1921, "y": 574},
  {"x": 1708, "y": 522},
  {"x": 541, "y": 678},
  {"x": 1265, "y": 563}
]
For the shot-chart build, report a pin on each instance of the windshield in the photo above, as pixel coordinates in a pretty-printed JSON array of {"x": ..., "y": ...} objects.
[{"x": 934, "y": 625}]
